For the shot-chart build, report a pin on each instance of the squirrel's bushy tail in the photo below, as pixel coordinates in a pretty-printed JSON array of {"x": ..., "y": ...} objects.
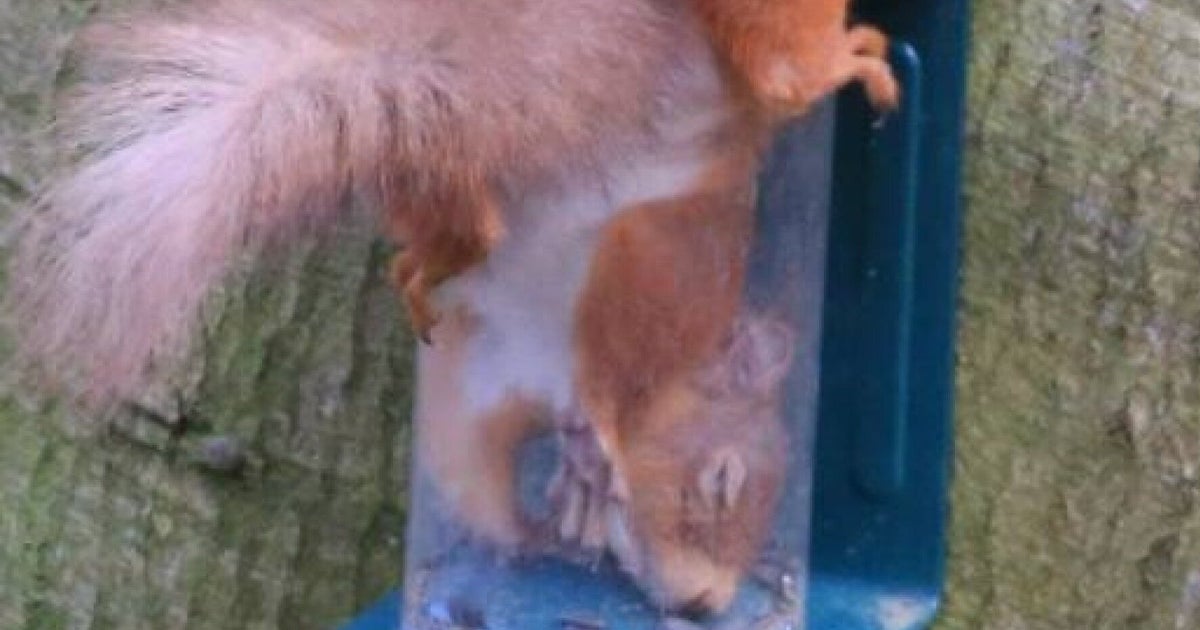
[
  {"x": 199, "y": 135},
  {"x": 218, "y": 127}
]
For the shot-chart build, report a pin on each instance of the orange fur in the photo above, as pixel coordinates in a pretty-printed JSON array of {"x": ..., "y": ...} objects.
[
  {"x": 664, "y": 285},
  {"x": 790, "y": 53},
  {"x": 705, "y": 458},
  {"x": 706, "y": 464},
  {"x": 440, "y": 245},
  {"x": 793, "y": 53},
  {"x": 652, "y": 348}
]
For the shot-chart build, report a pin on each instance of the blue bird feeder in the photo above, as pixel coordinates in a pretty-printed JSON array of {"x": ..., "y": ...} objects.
[{"x": 872, "y": 209}]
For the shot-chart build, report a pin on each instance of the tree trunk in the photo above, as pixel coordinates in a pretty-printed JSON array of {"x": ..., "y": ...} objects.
[
  {"x": 1078, "y": 455},
  {"x": 1075, "y": 504},
  {"x": 304, "y": 369}
]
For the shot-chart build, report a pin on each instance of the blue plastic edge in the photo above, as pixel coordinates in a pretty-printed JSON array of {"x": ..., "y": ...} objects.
[
  {"x": 883, "y": 455},
  {"x": 382, "y": 615},
  {"x": 885, "y": 296}
]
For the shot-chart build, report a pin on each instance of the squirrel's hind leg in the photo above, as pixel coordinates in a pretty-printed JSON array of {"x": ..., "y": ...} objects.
[{"x": 445, "y": 232}]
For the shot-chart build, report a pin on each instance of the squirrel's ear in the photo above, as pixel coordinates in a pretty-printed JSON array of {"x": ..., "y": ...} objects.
[
  {"x": 756, "y": 358},
  {"x": 722, "y": 479},
  {"x": 760, "y": 353}
]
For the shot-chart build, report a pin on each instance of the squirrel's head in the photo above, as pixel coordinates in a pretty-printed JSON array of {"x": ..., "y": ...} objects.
[{"x": 705, "y": 472}]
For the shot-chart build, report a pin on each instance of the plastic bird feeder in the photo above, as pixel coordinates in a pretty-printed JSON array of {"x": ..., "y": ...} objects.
[{"x": 858, "y": 242}]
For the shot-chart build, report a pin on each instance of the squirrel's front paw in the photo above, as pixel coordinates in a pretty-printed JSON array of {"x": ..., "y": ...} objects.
[
  {"x": 422, "y": 315},
  {"x": 793, "y": 83},
  {"x": 585, "y": 490},
  {"x": 868, "y": 51}
]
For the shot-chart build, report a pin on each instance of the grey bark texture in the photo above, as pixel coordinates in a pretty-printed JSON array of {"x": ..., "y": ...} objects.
[
  {"x": 282, "y": 503},
  {"x": 1078, "y": 424},
  {"x": 1078, "y": 457}
]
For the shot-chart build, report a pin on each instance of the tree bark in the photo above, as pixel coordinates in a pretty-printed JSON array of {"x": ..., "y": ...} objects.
[
  {"x": 280, "y": 504},
  {"x": 1078, "y": 423}
]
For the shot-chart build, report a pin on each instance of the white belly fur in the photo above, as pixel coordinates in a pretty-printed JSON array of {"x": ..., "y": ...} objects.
[{"x": 525, "y": 293}]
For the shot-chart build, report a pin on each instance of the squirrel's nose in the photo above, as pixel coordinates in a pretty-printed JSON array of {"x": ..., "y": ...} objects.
[
  {"x": 715, "y": 598},
  {"x": 698, "y": 606},
  {"x": 709, "y": 601}
]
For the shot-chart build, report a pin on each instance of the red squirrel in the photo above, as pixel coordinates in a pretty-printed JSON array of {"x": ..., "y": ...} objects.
[
  {"x": 580, "y": 192},
  {"x": 706, "y": 462}
]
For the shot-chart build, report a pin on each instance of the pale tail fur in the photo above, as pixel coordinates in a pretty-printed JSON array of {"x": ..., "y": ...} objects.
[{"x": 213, "y": 130}]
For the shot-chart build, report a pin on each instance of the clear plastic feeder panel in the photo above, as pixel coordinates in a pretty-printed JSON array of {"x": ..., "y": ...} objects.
[{"x": 476, "y": 575}]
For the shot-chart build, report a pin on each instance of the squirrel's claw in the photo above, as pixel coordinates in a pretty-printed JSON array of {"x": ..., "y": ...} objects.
[
  {"x": 410, "y": 276},
  {"x": 422, "y": 315}
]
